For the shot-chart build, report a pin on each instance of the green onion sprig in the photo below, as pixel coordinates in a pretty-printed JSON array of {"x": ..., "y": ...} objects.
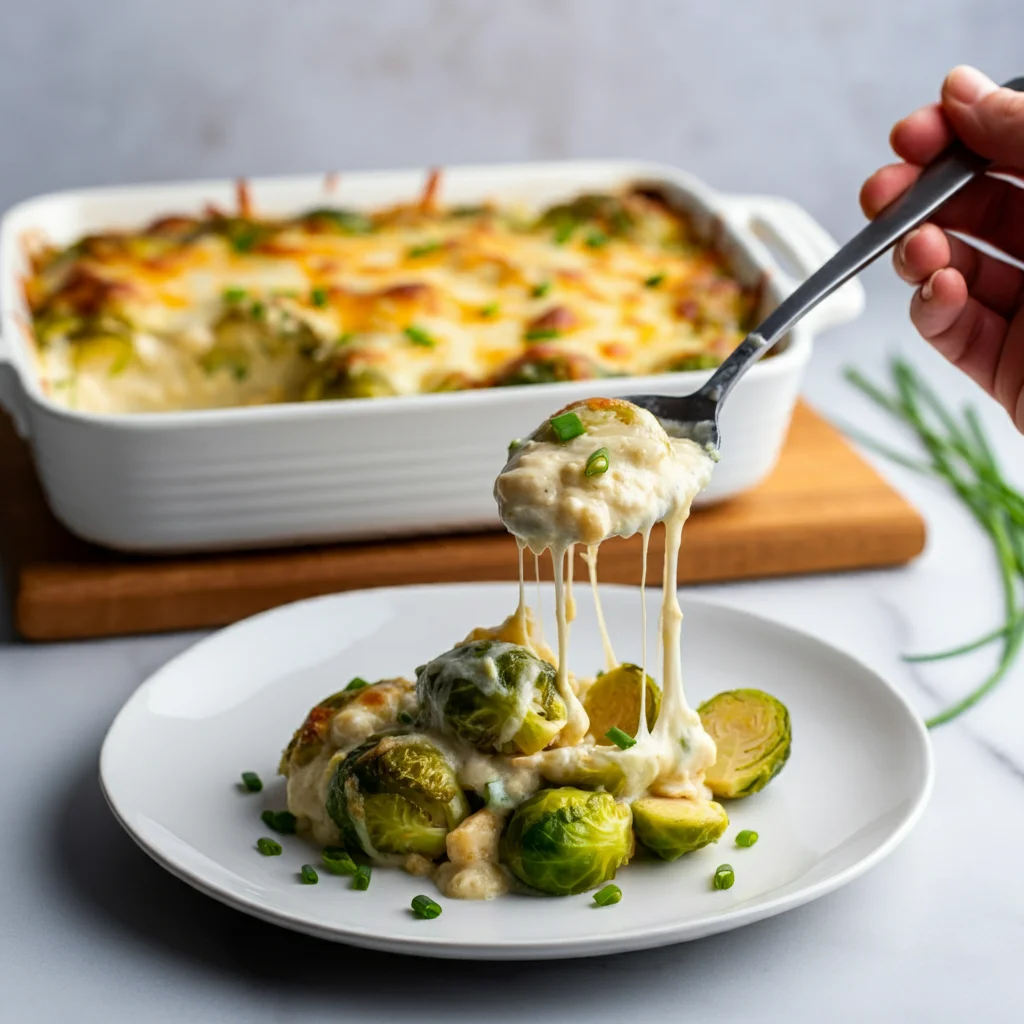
[
  {"x": 608, "y": 896},
  {"x": 280, "y": 821},
  {"x": 958, "y": 453},
  {"x": 597, "y": 463},
  {"x": 621, "y": 739},
  {"x": 567, "y": 426},
  {"x": 337, "y": 861},
  {"x": 269, "y": 847},
  {"x": 746, "y": 838},
  {"x": 361, "y": 879},
  {"x": 251, "y": 782},
  {"x": 425, "y": 907},
  {"x": 724, "y": 877},
  {"x": 308, "y": 875}
]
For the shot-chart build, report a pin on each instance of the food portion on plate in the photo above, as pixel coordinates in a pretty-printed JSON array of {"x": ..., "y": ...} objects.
[
  {"x": 236, "y": 308},
  {"x": 499, "y": 768}
]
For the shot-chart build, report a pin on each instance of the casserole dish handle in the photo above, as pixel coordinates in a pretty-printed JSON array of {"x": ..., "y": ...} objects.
[
  {"x": 12, "y": 397},
  {"x": 797, "y": 245}
]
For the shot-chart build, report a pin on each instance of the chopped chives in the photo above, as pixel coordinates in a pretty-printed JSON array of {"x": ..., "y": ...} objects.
[
  {"x": 567, "y": 426},
  {"x": 269, "y": 847},
  {"x": 318, "y": 296},
  {"x": 597, "y": 463},
  {"x": 540, "y": 290},
  {"x": 357, "y": 684},
  {"x": 258, "y": 310},
  {"x": 621, "y": 739},
  {"x": 280, "y": 821},
  {"x": 596, "y": 239},
  {"x": 308, "y": 875},
  {"x": 564, "y": 232},
  {"x": 425, "y": 907},
  {"x": 513, "y": 446},
  {"x": 252, "y": 782},
  {"x": 654, "y": 280},
  {"x": 361, "y": 879},
  {"x": 418, "y": 336},
  {"x": 416, "y": 251},
  {"x": 234, "y": 294},
  {"x": 724, "y": 877},
  {"x": 337, "y": 860},
  {"x": 490, "y": 309},
  {"x": 542, "y": 333},
  {"x": 608, "y": 896},
  {"x": 746, "y": 838}
]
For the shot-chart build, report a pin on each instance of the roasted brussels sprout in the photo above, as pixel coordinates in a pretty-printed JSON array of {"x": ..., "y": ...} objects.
[
  {"x": 396, "y": 795},
  {"x": 752, "y": 732},
  {"x": 613, "y": 701},
  {"x": 342, "y": 382},
  {"x": 670, "y": 827},
  {"x": 565, "y": 841},
  {"x": 495, "y": 695},
  {"x": 383, "y": 700},
  {"x": 544, "y": 364}
]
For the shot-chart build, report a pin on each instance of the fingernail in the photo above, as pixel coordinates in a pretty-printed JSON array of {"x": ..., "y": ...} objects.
[
  {"x": 928, "y": 288},
  {"x": 968, "y": 85},
  {"x": 902, "y": 250}
]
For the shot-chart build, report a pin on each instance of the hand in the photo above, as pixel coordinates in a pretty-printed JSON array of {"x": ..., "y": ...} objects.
[{"x": 969, "y": 305}]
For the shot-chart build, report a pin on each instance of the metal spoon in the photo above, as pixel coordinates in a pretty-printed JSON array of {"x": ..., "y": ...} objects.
[{"x": 696, "y": 416}]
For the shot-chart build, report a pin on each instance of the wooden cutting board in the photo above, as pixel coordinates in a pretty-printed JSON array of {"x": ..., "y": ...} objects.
[{"x": 822, "y": 509}]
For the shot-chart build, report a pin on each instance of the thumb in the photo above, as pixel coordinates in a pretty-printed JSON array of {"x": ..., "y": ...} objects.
[{"x": 989, "y": 119}]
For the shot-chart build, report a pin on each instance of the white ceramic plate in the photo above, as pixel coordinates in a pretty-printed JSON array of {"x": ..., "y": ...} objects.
[{"x": 857, "y": 781}]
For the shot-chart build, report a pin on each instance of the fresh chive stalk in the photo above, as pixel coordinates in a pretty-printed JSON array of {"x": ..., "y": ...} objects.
[
  {"x": 308, "y": 875},
  {"x": 567, "y": 426},
  {"x": 280, "y": 821},
  {"x": 724, "y": 877},
  {"x": 597, "y": 463},
  {"x": 251, "y": 782},
  {"x": 269, "y": 847},
  {"x": 621, "y": 739},
  {"x": 425, "y": 907},
  {"x": 608, "y": 896},
  {"x": 361, "y": 879},
  {"x": 959, "y": 454},
  {"x": 746, "y": 838}
]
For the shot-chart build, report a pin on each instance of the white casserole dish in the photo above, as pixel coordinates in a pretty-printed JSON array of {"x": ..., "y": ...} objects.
[{"x": 301, "y": 473}]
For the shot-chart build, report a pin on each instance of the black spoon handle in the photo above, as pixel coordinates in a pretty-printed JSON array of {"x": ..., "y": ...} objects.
[{"x": 941, "y": 179}]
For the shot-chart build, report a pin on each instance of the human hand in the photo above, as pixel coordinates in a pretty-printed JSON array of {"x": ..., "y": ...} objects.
[{"x": 969, "y": 305}]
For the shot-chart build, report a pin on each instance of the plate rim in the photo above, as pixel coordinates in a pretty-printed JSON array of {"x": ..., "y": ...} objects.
[{"x": 540, "y": 948}]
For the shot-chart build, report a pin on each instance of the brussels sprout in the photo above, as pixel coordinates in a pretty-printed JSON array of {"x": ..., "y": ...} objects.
[
  {"x": 381, "y": 697},
  {"x": 344, "y": 382},
  {"x": 544, "y": 364},
  {"x": 565, "y": 841},
  {"x": 752, "y": 732},
  {"x": 396, "y": 795},
  {"x": 670, "y": 827},
  {"x": 613, "y": 701},
  {"x": 495, "y": 695},
  {"x": 608, "y": 212}
]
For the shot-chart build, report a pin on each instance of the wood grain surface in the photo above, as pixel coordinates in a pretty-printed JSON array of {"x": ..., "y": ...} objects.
[{"x": 822, "y": 509}]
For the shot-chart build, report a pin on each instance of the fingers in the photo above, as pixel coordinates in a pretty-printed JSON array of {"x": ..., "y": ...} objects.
[
  {"x": 884, "y": 186},
  {"x": 922, "y": 135},
  {"x": 967, "y": 333},
  {"x": 990, "y": 120},
  {"x": 993, "y": 283}
]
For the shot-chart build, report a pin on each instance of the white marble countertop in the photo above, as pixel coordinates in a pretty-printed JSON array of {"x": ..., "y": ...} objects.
[{"x": 93, "y": 928}]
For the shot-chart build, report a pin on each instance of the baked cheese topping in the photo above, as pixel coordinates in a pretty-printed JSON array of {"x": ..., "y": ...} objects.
[{"x": 231, "y": 309}]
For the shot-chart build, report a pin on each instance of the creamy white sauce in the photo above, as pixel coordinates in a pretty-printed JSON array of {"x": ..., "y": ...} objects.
[{"x": 546, "y": 499}]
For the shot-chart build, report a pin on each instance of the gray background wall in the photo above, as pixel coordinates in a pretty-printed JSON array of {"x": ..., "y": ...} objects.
[{"x": 789, "y": 97}]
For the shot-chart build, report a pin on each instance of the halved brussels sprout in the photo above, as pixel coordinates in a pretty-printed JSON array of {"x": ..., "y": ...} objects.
[
  {"x": 752, "y": 732},
  {"x": 565, "y": 841},
  {"x": 670, "y": 827},
  {"x": 495, "y": 695},
  {"x": 613, "y": 701},
  {"x": 384, "y": 696},
  {"x": 545, "y": 364},
  {"x": 396, "y": 795}
]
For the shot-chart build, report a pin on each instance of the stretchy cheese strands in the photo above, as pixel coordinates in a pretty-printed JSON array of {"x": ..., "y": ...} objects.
[{"x": 610, "y": 661}]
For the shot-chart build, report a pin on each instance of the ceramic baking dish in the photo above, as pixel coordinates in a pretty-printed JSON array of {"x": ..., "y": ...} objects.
[{"x": 306, "y": 472}]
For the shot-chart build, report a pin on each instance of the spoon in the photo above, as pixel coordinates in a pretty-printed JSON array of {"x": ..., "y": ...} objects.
[{"x": 695, "y": 416}]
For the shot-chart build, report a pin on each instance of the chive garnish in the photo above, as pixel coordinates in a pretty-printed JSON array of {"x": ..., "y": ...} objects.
[
  {"x": 269, "y": 847},
  {"x": 596, "y": 239},
  {"x": 337, "y": 860},
  {"x": 318, "y": 296},
  {"x": 234, "y": 294},
  {"x": 567, "y": 426},
  {"x": 257, "y": 310},
  {"x": 564, "y": 232},
  {"x": 542, "y": 333},
  {"x": 654, "y": 280},
  {"x": 490, "y": 309},
  {"x": 252, "y": 782},
  {"x": 280, "y": 821},
  {"x": 308, "y": 875},
  {"x": 418, "y": 336},
  {"x": 608, "y": 896},
  {"x": 724, "y": 877},
  {"x": 621, "y": 739},
  {"x": 357, "y": 684},
  {"x": 746, "y": 838},
  {"x": 513, "y": 446},
  {"x": 597, "y": 463},
  {"x": 425, "y": 907},
  {"x": 361, "y": 879},
  {"x": 425, "y": 249},
  {"x": 540, "y": 290}
]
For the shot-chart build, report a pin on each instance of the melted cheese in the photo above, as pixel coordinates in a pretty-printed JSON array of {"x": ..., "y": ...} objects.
[{"x": 224, "y": 310}]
